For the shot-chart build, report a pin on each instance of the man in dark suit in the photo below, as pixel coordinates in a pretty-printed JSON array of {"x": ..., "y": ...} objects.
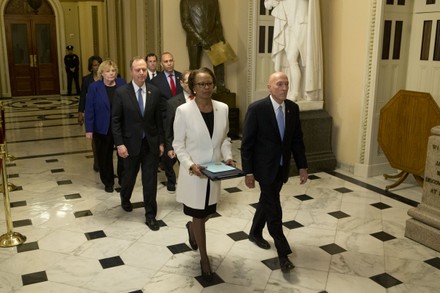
[
  {"x": 168, "y": 82},
  {"x": 172, "y": 105},
  {"x": 137, "y": 126},
  {"x": 271, "y": 135},
  {"x": 151, "y": 60}
]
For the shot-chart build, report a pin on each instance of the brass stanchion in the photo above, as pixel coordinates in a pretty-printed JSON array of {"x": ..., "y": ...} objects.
[{"x": 10, "y": 238}]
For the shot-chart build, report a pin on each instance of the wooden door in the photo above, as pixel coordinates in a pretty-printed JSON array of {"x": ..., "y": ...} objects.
[{"x": 32, "y": 55}]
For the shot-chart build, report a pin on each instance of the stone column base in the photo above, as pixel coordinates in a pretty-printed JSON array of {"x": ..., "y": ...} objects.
[{"x": 422, "y": 233}]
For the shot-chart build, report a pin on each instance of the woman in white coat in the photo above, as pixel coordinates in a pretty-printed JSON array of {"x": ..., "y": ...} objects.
[{"x": 200, "y": 136}]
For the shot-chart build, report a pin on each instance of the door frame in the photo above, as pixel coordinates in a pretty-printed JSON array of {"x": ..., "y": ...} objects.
[{"x": 5, "y": 88}]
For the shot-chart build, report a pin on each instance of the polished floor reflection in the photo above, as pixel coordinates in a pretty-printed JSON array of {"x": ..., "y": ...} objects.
[{"x": 347, "y": 234}]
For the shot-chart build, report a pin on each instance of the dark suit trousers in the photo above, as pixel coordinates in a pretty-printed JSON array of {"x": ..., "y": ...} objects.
[
  {"x": 148, "y": 162},
  {"x": 104, "y": 152},
  {"x": 269, "y": 211},
  {"x": 72, "y": 76},
  {"x": 168, "y": 164}
]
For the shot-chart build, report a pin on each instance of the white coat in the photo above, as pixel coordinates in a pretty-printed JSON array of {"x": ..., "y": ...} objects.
[{"x": 193, "y": 145}]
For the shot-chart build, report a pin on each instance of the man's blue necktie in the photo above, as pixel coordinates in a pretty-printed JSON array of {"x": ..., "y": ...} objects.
[
  {"x": 280, "y": 121},
  {"x": 141, "y": 101}
]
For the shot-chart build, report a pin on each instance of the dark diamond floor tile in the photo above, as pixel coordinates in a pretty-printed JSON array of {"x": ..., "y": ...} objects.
[
  {"x": 339, "y": 215},
  {"x": 380, "y": 205},
  {"x": 292, "y": 225},
  {"x": 383, "y": 236},
  {"x": 95, "y": 235},
  {"x": 303, "y": 197},
  {"x": 89, "y": 156},
  {"x": 385, "y": 280},
  {"x": 272, "y": 263},
  {"x": 72, "y": 196},
  {"x": 52, "y": 161},
  {"x": 215, "y": 281},
  {"x": 11, "y": 165},
  {"x": 238, "y": 236},
  {"x": 332, "y": 248},
  {"x": 233, "y": 189},
  {"x": 33, "y": 278},
  {"x": 435, "y": 262},
  {"x": 17, "y": 204},
  {"x": 254, "y": 205},
  {"x": 178, "y": 248},
  {"x": 64, "y": 182},
  {"x": 21, "y": 223},
  {"x": 57, "y": 170},
  {"x": 314, "y": 177},
  {"x": 13, "y": 175},
  {"x": 80, "y": 214},
  {"x": 137, "y": 291},
  {"x": 118, "y": 189},
  {"x": 164, "y": 183},
  {"x": 111, "y": 262},
  {"x": 161, "y": 223},
  {"x": 137, "y": 205},
  {"x": 343, "y": 190},
  {"x": 28, "y": 246},
  {"x": 215, "y": 215},
  {"x": 17, "y": 188}
]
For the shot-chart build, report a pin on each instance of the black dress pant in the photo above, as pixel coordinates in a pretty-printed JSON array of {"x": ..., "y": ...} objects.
[
  {"x": 168, "y": 165},
  {"x": 148, "y": 163},
  {"x": 73, "y": 76},
  {"x": 104, "y": 151},
  {"x": 269, "y": 211}
]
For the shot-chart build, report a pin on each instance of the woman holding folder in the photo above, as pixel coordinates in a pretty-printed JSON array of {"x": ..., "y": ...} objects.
[{"x": 200, "y": 136}]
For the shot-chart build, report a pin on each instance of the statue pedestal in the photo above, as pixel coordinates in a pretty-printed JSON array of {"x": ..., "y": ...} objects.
[
  {"x": 234, "y": 114},
  {"x": 424, "y": 227},
  {"x": 317, "y": 131}
]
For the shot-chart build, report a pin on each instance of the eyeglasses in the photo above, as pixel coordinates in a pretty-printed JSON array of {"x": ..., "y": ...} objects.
[{"x": 204, "y": 84}]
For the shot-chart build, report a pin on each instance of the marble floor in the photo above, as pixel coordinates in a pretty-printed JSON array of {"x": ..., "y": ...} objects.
[{"x": 347, "y": 234}]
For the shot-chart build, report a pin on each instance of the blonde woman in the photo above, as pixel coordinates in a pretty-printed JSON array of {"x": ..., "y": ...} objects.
[{"x": 98, "y": 118}]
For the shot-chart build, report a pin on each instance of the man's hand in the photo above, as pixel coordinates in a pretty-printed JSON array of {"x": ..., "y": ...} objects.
[
  {"x": 249, "y": 180},
  {"x": 303, "y": 176},
  {"x": 161, "y": 150},
  {"x": 171, "y": 154},
  {"x": 122, "y": 151}
]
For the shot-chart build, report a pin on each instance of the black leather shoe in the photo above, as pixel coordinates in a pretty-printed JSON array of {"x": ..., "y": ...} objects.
[
  {"x": 192, "y": 243},
  {"x": 171, "y": 188},
  {"x": 152, "y": 224},
  {"x": 108, "y": 189},
  {"x": 260, "y": 242},
  {"x": 285, "y": 264},
  {"x": 126, "y": 206}
]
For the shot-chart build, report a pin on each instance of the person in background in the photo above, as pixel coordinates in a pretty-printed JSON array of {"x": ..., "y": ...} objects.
[
  {"x": 168, "y": 82},
  {"x": 271, "y": 135},
  {"x": 93, "y": 65},
  {"x": 71, "y": 62},
  {"x": 173, "y": 103},
  {"x": 99, "y": 102},
  {"x": 200, "y": 136},
  {"x": 151, "y": 60},
  {"x": 137, "y": 125}
]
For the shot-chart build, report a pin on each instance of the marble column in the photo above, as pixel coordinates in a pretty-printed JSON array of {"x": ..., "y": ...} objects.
[{"x": 424, "y": 226}]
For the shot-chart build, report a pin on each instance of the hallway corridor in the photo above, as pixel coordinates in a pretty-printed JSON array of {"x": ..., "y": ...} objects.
[{"x": 347, "y": 234}]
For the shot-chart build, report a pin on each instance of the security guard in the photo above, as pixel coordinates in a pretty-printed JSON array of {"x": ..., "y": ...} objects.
[{"x": 71, "y": 61}]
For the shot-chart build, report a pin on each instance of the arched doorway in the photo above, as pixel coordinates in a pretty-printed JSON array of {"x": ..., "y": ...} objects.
[{"x": 31, "y": 48}]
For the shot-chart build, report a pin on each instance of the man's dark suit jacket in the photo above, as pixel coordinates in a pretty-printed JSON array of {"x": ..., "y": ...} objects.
[
  {"x": 161, "y": 81},
  {"x": 86, "y": 81},
  {"x": 172, "y": 105},
  {"x": 149, "y": 80},
  {"x": 261, "y": 146},
  {"x": 128, "y": 125}
]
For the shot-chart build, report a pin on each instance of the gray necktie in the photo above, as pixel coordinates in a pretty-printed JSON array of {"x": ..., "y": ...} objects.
[{"x": 141, "y": 101}]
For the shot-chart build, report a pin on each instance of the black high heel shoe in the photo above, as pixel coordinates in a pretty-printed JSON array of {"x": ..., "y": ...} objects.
[
  {"x": 192, "y": 243},
  {"x": 206, "y": 276}
]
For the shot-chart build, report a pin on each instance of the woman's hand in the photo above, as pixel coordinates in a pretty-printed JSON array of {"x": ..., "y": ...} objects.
[
  {"x": 230, "y": 162},
  {"x": 197, "y": 170}
]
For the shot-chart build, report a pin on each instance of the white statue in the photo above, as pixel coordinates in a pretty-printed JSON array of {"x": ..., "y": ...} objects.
[{"x": 297, "y": 46}]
